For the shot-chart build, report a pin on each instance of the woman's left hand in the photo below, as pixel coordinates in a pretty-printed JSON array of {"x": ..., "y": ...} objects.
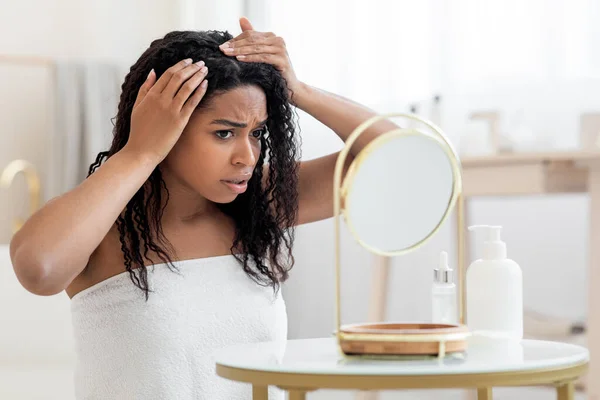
[{"x": 253, "y": 46}]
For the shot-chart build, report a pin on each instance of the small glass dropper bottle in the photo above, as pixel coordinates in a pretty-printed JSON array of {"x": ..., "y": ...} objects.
[{"x": 443, "y": 294}]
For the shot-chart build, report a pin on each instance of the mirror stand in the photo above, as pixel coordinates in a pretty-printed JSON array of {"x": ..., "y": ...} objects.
[{"x": 381, "y": 339}]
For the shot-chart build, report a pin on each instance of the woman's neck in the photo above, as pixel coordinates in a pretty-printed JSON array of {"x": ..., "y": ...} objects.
[{"x": 184, "y": 204}]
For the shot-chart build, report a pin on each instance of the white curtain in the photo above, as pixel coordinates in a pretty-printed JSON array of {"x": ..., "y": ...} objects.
[
  {"x": 534, "y": 39},
  {"x": 534, "y": 60},
  {"x": 209, "y": 14}
]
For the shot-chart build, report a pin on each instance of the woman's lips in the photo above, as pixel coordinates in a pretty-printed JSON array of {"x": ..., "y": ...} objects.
[{"x": 237, "y": 188}]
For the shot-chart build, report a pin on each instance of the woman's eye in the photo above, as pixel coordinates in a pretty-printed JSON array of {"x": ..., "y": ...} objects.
[
  {"x": 224, "y": 134},
  {"x": 259, "y": 133}
]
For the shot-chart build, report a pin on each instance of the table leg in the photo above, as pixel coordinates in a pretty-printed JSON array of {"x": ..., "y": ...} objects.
[
  {"x": 297, "y": 395},
  {"x": 372, "y": 395},
  {"x": 593, "y": 318},
  {"x": 260, "y": 392},
  {"x": 470, "y": 394},
  {"x": 377, "y": 303},
  {"x": 484, "y": 393},
  {"x": 463, "y": 254},
  {"x": 566, "y": 391}
]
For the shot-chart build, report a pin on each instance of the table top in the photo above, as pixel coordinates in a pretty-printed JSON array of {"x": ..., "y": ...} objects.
[
  {"x": 318, "y": 363},
  {"x": 321, "y": 356},
  {"x": 529, "y": 157}
]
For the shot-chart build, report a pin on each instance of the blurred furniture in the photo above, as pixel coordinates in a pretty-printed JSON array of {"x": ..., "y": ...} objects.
[
  {"x": 32, "y": 178},
  {"x": 311, "y": 364},
  {"x": 36, "y": 343},
  {"x": 589, "y": 136},
  {"x": 493, "y": 119},
  {"x": 84, "y": 99},
  {"x": 518, "y": 174},
  {"x": 37, "y": 355}
]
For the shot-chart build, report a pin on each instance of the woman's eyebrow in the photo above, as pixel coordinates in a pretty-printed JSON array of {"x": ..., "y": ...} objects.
[
  {"x": 229, "y": 123},
  {"x": 234, "y": 124}
]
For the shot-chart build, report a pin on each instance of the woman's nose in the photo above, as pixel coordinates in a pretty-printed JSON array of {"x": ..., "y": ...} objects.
[{"x": 244, "y": 153}]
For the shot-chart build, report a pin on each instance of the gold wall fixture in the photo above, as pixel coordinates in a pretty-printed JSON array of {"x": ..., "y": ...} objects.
[{"x": 33, "y": 185}]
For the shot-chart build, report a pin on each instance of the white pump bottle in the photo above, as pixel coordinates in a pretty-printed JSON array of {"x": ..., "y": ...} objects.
[{"x": 494, "y": 292}]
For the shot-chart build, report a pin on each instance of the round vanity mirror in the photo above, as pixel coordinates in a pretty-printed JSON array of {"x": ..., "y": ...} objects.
[
  {"x": 395, "y": 196},
  {"x": 399, "y": 190}
]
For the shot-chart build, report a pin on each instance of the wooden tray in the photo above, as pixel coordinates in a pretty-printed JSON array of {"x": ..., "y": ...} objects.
[{"x": 403, "y": 339}]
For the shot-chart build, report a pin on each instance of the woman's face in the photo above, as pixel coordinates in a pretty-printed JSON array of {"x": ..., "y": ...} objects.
[{"x": 218, "y": 150}]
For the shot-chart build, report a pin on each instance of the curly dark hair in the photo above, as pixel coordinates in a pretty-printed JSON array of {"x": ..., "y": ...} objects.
[{"x": 265, "y": 214}]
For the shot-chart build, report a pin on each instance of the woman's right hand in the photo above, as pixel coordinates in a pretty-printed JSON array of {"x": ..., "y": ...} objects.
[{"x": 163, "y": 108}]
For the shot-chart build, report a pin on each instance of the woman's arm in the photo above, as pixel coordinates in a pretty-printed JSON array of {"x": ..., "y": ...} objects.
[
  {"x": 315, "y": 186},
  {"x": 315, "y": 181},
  {"x": 55, "y": 243},
  {"x": 340, "y": 115}
]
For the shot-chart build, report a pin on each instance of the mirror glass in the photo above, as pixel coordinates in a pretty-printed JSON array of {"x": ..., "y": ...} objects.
[{"x": 399, "y": 189}]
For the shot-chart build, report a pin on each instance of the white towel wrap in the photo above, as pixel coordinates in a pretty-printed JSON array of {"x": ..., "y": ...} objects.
[{"x": 128, "y": 348}]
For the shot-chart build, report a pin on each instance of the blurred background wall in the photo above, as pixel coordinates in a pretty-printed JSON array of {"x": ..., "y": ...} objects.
[{"x": 532, "y": 62}]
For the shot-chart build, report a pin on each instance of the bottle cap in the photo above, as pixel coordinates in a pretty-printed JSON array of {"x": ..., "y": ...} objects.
[
  {"x": 443, "y": 273},
  {"x": 493, "y": 247}
]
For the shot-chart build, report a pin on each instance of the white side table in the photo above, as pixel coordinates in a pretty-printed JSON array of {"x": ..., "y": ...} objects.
[
  {"x": 522, "y": 174},
  {"x": 301, "y": 366}
]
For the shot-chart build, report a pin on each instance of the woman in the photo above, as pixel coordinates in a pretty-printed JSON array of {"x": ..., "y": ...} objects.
[{"x": 176, "y": 244}]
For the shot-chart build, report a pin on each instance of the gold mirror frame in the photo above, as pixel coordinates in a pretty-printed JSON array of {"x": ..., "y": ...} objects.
[{"x": 341, "y": 190}]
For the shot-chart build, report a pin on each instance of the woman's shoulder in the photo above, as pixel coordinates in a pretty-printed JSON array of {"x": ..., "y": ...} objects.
[
  {"x": 210, "y": 237},
  {"x": 104, "y": 262}
]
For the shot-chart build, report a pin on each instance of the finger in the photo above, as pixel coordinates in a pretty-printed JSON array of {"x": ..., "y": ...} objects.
[
  {"x": 148, "y": 83},
  {"x": 273, "y": 59},
  {"x": 188, "y": 87},
  {"x": 180, "y": 78},
  {"x": 249, "y": 37},
  {"x": 242, "y": 35},
  {"x": 194, "y": 100},
  {"x": 245, "y": 24},
  {"x": 265, "y": 44},
  {"x": 163, "y": 81},
  {"x": 254, "y": 49}
]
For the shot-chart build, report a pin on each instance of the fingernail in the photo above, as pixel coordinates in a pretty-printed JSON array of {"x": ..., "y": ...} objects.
[
  {"x": 241, "y": 57},
  {"x": 200, "y": 63},
  {"x": 204, "y": 69},
  {"x": 150, "y": 73},
  {"x": 187, "y": 61},
  {"x": 228, "y": 50},
  {"x": 224, "y": 45},
  {"x": 204, "y": 83}
]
